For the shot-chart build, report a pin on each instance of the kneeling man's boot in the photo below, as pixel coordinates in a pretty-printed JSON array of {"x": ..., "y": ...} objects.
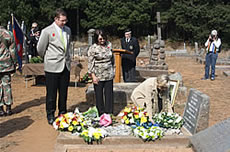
[
  {"x": 8, "y": 110},
  {"x": 2, "y": 112}
]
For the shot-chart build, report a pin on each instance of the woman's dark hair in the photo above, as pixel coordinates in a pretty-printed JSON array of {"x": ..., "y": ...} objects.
[{"x": 97, "y": 33}]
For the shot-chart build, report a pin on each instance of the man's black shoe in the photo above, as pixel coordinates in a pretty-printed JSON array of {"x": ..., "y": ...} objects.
[
  {"x": 50, "y": 121},
  {"x": 8, "y": 110},
  {"x": 61, "y": 113},
  {"x": 2, "y": 112}
]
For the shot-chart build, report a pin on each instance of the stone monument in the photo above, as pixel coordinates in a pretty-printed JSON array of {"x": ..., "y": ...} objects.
[{"x": 157, "y": 63}]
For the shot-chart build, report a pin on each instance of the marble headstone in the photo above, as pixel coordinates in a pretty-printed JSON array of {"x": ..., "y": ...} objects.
[{"x": 196, "y": 112}]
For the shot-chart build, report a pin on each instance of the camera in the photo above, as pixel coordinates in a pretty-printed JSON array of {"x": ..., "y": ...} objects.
[{"x": 212, "y": 36}]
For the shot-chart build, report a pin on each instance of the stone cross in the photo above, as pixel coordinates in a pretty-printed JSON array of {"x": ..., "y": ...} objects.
[{"x": 158, "y": 26}]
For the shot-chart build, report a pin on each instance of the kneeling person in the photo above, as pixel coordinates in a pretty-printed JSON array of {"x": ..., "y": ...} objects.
[{"x": 152, "y": 94}]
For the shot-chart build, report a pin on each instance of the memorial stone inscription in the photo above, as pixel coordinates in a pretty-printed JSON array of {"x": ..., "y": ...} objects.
[{"x": 196, "y": 111}]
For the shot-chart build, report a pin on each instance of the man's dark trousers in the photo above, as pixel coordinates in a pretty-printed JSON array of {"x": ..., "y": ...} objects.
[
  {"x": 210, "y": 59},
  {"x": 129, "y": 73},
  {"x": 56, "y": 82}
]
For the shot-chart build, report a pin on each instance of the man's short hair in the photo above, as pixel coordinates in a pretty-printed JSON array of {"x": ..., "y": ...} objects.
[
  {"x": 128, "y": 31},
  {"x": 34, "y": 25},
  {"x": 60, "y": 12}
]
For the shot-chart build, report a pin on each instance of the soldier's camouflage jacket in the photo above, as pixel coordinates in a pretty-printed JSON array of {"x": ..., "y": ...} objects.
[{"x": 8, "y": 56}]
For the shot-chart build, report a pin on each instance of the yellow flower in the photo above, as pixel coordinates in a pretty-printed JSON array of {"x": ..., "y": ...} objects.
[
  {"x": 125, "y": 117},
  {"x": 136, "y": 116},
  {"x": 74, "y": 123},
  {"x": 143, "y": 119},
  {"x": 61, "y": 126},
  {"x": 85, "y": 133},
  {"x": 127, "y": 121},
  {"x": 127, "y": 109},
  {"x": 96, "y": 135},
  {"x": 70, "y": 128}
]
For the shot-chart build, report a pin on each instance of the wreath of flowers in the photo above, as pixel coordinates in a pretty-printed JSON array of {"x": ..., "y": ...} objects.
[
  {"x": 134, "y": 115},
  {"x": 138, "y": 119},
  {"x": 168, "y": 120}
]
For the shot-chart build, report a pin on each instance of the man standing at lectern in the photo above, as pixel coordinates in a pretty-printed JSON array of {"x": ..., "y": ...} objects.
[{"x": 129, "y": 60}]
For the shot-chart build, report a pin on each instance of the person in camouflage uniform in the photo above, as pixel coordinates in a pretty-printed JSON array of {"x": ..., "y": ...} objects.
[
  {"x": 101, "y": 68},
  {"x": 7, "y": 67}
]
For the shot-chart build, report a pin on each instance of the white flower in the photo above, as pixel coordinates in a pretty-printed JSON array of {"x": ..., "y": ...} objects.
[
  {"x": 145, "y": 136},
  {"x": 91, "y": 131},
  {"x": 76, "y": 110},
  {"x": 170, "y": 121},
  {"x": 78, "y": 128},
  {"x": 131, "y": 120},
  {"x": 55, "y": 126},
  {"x": 65, "y": 125},
  {"x": 136, "y": 131},
  {"x": 160, "y": 116},
  {"x": 120, "y": 114},
  {"x": 169, "y": 114},
  {"x": 130, "y": 115},
  {"x": 151, "y": 134},
  {"x": 178, "y": 119}
]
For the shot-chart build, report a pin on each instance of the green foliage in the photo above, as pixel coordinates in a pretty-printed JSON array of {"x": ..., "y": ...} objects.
[
  {"x": 187, "y": 20},
  {"x": 117, "y": 15},
  {"x": 37, "y": 59},
  {"x": 194, "y": 20}
]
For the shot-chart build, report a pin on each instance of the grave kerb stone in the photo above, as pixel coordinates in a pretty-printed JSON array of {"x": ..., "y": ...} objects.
[{"x": 213, "y": 139}]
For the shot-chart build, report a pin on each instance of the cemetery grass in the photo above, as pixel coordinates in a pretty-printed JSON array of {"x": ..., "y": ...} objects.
[{"x": 27, "y": 129}]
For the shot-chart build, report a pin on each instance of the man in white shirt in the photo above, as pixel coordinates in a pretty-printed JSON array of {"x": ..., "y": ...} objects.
[
  {"x": 54, "y": 47},
  {"x": 212, "y": 47}
]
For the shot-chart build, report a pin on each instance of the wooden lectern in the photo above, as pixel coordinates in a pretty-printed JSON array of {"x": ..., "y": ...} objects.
[{"x": 117, "y": 53}]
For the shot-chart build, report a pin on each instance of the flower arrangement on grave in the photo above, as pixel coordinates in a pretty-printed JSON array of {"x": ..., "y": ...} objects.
[
  {"x": 93, "y": 134},
  {"x": 83, "y": 124},
  {"x": 148, "y": 134},
  {"x": 168, "y": 120},
  {"x": 70, "y": 122},
  {"x": 138, "y": 119},
  {"x": 133, "y": 115}
]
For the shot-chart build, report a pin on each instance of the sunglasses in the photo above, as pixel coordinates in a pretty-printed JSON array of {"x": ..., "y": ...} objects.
[{"x": 100, "y": 39}]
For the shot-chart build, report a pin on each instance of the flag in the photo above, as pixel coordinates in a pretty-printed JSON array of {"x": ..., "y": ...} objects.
[{"x": 18, "y": 36}]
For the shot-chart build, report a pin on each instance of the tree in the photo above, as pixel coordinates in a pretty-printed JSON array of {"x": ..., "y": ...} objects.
[{"x": 117, "y": 15}]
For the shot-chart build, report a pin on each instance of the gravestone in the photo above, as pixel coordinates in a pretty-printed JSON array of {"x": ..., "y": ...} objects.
[
  {"x": 196, "y": 113},
  {"x": 90, "y": 36},
  {"x": 213, "y": 139}
]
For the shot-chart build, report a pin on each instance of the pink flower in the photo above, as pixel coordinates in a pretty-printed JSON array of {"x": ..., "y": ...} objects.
[{"x": 105, "y": 120}]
